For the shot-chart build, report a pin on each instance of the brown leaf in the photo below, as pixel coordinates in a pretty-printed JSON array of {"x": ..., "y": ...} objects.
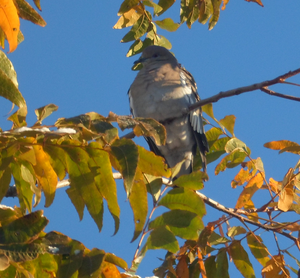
[{"x": 182, "y": 270}]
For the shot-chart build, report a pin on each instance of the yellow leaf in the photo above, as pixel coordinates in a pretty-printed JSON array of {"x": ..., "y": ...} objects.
[
  {"x": 225, "y": 2},
  {"x": 253, "y": 185},
  {"x": 275, "y": 185},
  {"x": 9, "y": 22},
  {"x": 127, "y": 19},
  {"x": 45, "y": 174},
  {"x": 286, "y": 196},
  {"x": 110, "y": 270},
  {"x": 281, "y": 144}
]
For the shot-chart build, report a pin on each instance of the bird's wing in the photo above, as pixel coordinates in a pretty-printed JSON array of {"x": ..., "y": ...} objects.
[{"x": 195, "y": 116}]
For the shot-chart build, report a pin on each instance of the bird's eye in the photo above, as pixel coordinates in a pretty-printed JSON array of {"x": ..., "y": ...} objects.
[{"x": 155, "y": 55}]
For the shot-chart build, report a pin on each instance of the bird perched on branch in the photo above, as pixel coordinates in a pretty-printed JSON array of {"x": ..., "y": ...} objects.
[{"x": 162, "y": 90}]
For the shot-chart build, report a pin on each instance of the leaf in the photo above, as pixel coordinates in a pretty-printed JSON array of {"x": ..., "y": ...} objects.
[
  {"x": 138, "y": 29},
  {"x": 138, "y": 46},
  {"x": 228, "y": 122},
  {"x": 124, "y": 158},
  {"x": 151, "y": 128},
  {"x": 252, "y": 186},
  {"x": 184, "y": 199},
  {"x": 45, "y": 174},
  {"x": 157, "y": 8},
  {"x": 162, "y": 238},
  {"x": 167, "y": 24},
  {"x": 25, "y": 11},
  {"x": 127, "y": 5},
  {"x": 222, "y": 264},
  {"x": 235, "y": 144},
  {"x": 112, "y": 258},
  {"x": 274, "y": 267},
  {"x": 256, "y": 1},
  {"x": 45, "y": 111},
  {"x": 91, "y": 263},
  {"x": 206, "y": 10},
  {"x": 244, "y": 175},
  {"x": 9, "y": 90},
  {"x": 193, "y": 180},
  {"x": 5, "y": 177},
  {"x": 76, "y": 200},
  {"x": 9, "y": 23},
  {"x": 152, "y": 164},
  {"x": 182, "y": 223},
  {"x": 230, "y": 161},
  {"x": 38, "y": 4},
  {"x": 25, "y": 193},
  {"x": 109, "y": 270},
  {"x": 127, "y": 19},
  {"x": 165, "y": 4},
  {"x": 103, "y": 176},
  {"x": 210, "y": 266},
  {"x": 216, "y": 13},
  {"x": 7, "y": 67},
  {"x": 286, "y": 196},
  {"x": 138, "y": 203},
  {"x": 258, "y": 249},
  {"x": 23, "y": 229},
  {"x": 280, "y": 145},
  {"x": 182, "y": 270},
  {"x": 164, "y": 42},
  {"x": 241, "y": 259},
  {"x": 82, "y": 179},
  {"x": 236, "y": 230}
]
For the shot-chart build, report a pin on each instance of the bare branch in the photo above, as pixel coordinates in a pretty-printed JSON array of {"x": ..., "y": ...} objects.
[{"x": 273, "y": 93}]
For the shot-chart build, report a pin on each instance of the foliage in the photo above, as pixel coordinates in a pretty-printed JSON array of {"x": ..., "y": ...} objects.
[{"x": 87, "y": 150}]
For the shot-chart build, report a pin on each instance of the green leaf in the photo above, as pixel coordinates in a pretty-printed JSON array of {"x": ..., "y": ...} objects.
[
  {"x": 25, "y": 193},
  {"x": 184, "y": 199},
  {"x": 76, "y": 200},
  {"x": 213, "y": 134},
  {"x": 164, "y": 42},
  {"x": 9, "y": 90},
  {"x": 235, "y": 144},
  {"x": 5, "y": 177},
  {"x": 25, "y": 11},
  {"x": 91, "y": 264},
  {"x": 167, "y": 24},
  {"x": 193, "y": 180},
  {"x": 222, "y": 264},
  {"x": 138, "y": 203},
  {"x": 113, "y": 259},
  {"x": 45, "y": 111},
  {"x": 127, "y": 5},
  {"x": 165, "y": 4},
  {"x": 124, "y": 158},
  {"x": 138, "y": 29},
  {"x": 7, "y": 68},
  {"x": 236, "y": 230},
  {"x": 210, "y": 266},
  {"x": 138, "y": 46},
  {"x": 206, "y": 10},
  {"x": 258, "y": 249},
  {"x": 182, "y": 223},
  {"x": 241, "y": 259},
  {"x": 23, "y": 229},
  {"x": 216, "y": 13},
  {"x": 100, "y": 165},
  {"x": 228, "y": 122},
  {"x": 162, "y": 238},
  {"x": 230, "y": 161},
  {"x": 38, "y": 4},
  {"x": 215, "y": 239},
  {"x": 157, "y": 8},
  {"x": 152, "y": 164},
  {"x": 82, "y": 179}
]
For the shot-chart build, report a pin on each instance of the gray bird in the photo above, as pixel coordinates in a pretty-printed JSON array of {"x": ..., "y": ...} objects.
[{"x": 161, "y": 90}]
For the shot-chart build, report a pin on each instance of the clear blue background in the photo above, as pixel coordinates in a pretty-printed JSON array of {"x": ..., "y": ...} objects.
[{"x": 78, "y": 63}]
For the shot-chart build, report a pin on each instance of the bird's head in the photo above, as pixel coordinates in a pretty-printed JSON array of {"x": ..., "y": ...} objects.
[{"x": 156, "y": 54}]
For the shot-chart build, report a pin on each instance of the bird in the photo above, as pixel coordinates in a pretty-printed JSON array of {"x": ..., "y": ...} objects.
[{"x": 161, "y": 90}]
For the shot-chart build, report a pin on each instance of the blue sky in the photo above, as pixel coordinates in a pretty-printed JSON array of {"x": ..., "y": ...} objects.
[{"x": 78, "y": 63}]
